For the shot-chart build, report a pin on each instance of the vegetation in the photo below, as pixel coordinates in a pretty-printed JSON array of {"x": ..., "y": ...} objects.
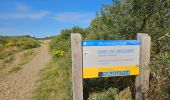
[
  {"x": 12, "y": 44},
  {"x": 9, "y": 46},
  {"x": 53, "y": 83},
  {"x": 112, "y": 94},
  {"x": 55, "y": 80},
  {"x": 59, "y": 53},
  {"x": 45, "y": 38},
  {"x": 122, "y": 20},
  {"x": 119, "y": 20},
  {"x": 9, "y": 67}
]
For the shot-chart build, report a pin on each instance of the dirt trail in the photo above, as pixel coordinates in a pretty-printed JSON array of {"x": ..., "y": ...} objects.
[{"x": 19, "y": 86}]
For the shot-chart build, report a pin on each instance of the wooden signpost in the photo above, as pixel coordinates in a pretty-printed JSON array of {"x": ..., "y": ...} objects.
[
  {"x": 77, "y": 79},
  {"x": 142, "y": 80},
  {"x": 106, "y": 58}
]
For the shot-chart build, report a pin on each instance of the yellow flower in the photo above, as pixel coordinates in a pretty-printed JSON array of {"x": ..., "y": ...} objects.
[
  {"x": 10, "y": 44},
  {"x": 59, "y": 53}
]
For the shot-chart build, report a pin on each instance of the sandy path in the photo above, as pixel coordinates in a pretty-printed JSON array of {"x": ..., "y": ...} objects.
[{"x": 19, "y": 86}]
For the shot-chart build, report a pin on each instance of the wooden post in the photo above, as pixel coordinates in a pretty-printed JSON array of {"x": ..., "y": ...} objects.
[
  {"x": 142, "y": 81},
  {"x": 77, "y": 81}
]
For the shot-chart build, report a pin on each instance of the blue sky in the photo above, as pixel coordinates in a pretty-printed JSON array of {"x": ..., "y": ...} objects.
[{"x": 41, "y": 18}]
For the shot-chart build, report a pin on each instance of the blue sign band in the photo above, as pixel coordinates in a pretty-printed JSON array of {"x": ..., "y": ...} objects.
[
  {"x": 110, "y": 42},
  {"x": 114, "y": 73}
]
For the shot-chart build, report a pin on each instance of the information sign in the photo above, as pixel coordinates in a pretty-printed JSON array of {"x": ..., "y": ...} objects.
[{"x": 105, "y": 58}]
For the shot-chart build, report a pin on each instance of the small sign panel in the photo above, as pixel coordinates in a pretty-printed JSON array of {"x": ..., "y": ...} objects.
[{"x": 105, "y": 58}]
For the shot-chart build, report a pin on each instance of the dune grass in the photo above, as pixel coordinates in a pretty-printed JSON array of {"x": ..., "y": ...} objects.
[
  {"x": 9, "y": 45},
  {"x": 9, "y": 66},
  {"x": 54, "y": 82}
]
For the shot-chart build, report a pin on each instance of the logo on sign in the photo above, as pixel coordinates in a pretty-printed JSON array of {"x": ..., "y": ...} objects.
[{"x": 84, "y": 43}]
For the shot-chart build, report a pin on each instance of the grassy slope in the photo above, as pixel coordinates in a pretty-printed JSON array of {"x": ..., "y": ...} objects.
[
  {"x": 9, "y": 45},
  {"x": 10, "y": 67}
]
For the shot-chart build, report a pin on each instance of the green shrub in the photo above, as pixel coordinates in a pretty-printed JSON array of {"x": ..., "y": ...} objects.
[
  {"x": 160, "y": 82},
  {"x": 57, "y": 43},
  {"x": 110, "y": 94},
  {"x": 29, "y": 44},
  {"x": 12, "y": 44}
]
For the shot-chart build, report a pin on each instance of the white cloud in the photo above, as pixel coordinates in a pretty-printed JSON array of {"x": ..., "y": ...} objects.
[
  {"x": 21, "y": 7},
  {"x": 69, "y": 17},
  {"x": 23, "y": 11},
  {"x": 24, "y": 15}
]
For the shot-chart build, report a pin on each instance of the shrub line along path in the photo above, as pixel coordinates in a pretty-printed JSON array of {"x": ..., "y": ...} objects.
[{"x": 20, "y": 85}]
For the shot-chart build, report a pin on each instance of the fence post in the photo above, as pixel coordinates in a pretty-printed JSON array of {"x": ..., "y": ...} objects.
[
  {"x": 77, "y": 81},
  {"x": 142, "y": 80}
]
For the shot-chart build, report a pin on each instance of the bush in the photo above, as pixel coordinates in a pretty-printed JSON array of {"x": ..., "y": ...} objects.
[
  {"x": 8, "y": 44},
  {"x": 11, "y": 44},
  {"x": 110, "y": 94},
  {"x": 160, "y": 81},
  {"x": 29, "y": 44}
]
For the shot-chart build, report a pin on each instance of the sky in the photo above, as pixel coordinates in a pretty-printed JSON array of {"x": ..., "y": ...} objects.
[{"x": 43, "y": 18}]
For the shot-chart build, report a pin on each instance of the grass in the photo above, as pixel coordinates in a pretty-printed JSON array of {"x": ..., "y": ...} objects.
[
  {"x": 7, "y": 52},
  {"x": 10, "y": 67},
  {"x": 9, "y": 59},
  {"x": 55, "y": 79},
  {"x": 26, "y": 57},
  {"x": 9, "y": 45},
  {"x": 53, "y": 83},
  {"x": 112, "y": 94},
  {"x": 15, "y": 69}
]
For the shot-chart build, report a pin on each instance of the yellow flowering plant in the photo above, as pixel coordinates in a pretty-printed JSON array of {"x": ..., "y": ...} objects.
[
  {"x": 59, "y": 53},
  {"x": 9, "y": 44}
]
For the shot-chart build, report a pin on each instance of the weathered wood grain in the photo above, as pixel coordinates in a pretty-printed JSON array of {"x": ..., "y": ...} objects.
[
  {"x": 142, "y": 80},
  {"x": 77, "y": 80}
]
